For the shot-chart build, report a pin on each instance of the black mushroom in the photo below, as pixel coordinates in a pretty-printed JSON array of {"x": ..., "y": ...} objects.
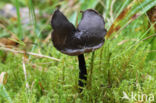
[{"x": 72, "y": 41}]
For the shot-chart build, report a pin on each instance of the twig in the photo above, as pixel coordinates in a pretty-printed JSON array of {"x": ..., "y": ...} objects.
[
  {"x": 25, "y": 74},
  {"x": 29, "y": 53}
]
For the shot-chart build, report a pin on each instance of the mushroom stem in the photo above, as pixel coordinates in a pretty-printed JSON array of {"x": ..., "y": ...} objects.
[{"x": 82, "y": 72}]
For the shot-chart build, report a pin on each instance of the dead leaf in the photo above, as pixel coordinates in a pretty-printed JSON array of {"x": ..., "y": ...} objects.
[
  {"x": 152, "y": 16},
  {"x": 7, "y": 42}
]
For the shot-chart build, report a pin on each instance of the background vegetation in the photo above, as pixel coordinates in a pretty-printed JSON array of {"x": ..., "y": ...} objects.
[{"x": 126, "y": 62}]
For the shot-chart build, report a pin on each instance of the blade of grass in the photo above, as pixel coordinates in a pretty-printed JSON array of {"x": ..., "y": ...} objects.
[
  {"x": 91, "y": 70},
  {"x": 20, "y": 30},
  {"x": 129, "y": 13},
  {"x": 4, "y": 93},
  {"x": 33, "y": 19}
]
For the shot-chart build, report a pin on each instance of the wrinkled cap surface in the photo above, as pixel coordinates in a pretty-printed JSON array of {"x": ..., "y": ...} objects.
[{"x": 88, "y": 37}]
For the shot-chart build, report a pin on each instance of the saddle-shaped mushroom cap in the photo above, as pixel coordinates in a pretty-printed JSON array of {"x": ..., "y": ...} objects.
[{"x": 86, "y": 38}]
